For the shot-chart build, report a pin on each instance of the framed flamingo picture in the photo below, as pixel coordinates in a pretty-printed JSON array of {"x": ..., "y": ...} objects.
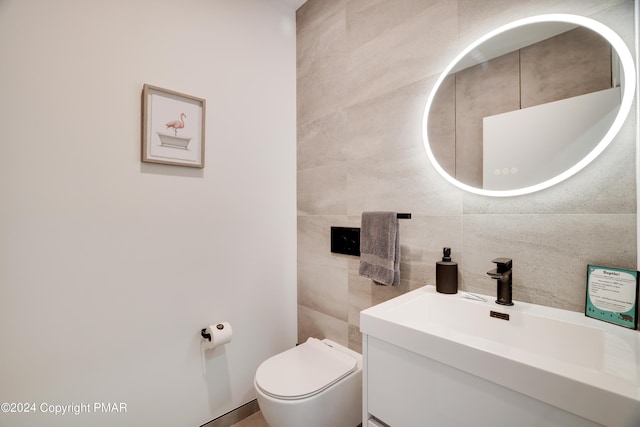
[{"x": 172, "y": 127}]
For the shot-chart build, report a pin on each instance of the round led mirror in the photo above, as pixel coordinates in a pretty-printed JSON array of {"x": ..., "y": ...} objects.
[{"x": 528, "y": 105}]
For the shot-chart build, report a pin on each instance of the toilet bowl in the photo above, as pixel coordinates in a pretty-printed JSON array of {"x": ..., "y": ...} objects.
[{"x": 316, "y": 384}]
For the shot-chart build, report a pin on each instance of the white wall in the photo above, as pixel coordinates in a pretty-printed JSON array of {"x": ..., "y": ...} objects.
[{"x": 110, "y": 267}]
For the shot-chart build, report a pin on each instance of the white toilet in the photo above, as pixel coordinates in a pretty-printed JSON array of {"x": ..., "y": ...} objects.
[{"x": 316, "y": 384}]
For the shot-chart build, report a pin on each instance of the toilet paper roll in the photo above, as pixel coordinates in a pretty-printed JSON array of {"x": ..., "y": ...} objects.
[{"x": 220, "y": 334}]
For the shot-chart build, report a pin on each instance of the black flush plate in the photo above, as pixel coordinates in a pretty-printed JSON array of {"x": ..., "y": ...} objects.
[{"x": 345, "y": 240}]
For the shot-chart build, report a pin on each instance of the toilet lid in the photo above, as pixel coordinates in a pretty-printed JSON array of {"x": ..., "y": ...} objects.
[{"x": 304, "y": 370}]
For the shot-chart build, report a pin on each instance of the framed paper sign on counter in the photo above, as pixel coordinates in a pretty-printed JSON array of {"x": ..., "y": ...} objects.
[
  {"x": 172, "y": 127},
  {"x": 612, "y": 295}
]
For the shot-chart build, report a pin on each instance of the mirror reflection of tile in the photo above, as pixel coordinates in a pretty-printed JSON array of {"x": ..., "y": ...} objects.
[{"x": 511, "y": 82}]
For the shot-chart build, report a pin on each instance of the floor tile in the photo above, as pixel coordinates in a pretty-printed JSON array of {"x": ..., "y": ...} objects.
[{"x": 255, "y": 420}]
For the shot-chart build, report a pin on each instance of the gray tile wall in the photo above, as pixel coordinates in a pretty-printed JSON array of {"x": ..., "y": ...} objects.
[{"x": 365, "y": 69}]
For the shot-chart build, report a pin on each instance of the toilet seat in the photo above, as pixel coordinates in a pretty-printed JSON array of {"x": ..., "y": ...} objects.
[{"x": 304, "y": 370}]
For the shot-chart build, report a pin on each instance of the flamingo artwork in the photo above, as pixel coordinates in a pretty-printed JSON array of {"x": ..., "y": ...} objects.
[{"x": 177, "y": 124}]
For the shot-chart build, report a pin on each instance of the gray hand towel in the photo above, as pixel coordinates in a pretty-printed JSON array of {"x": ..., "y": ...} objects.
[{"x": 380, "y": 247}]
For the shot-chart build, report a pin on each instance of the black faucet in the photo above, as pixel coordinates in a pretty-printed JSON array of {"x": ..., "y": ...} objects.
[{"x": 503, "y": 275}]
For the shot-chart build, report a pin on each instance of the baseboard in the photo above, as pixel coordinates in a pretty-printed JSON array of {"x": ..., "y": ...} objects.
[{"x": 237, "y": 415}]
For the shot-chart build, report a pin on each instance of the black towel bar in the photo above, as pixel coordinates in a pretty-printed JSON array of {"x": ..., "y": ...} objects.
[{"x": 403, "y": 216}]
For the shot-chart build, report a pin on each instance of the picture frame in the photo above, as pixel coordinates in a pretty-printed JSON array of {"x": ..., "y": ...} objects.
[
  {"x": 173, "y": 127},
  {"x": 612, "y": 295}
]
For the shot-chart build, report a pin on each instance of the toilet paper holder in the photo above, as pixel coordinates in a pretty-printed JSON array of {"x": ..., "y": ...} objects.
[{"x": 206, "y": 335}]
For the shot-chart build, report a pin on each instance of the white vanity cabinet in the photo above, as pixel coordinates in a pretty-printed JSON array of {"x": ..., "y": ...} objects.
[
  {"x": 405, "y": 389},
  {"x": 442, "y": 360}
]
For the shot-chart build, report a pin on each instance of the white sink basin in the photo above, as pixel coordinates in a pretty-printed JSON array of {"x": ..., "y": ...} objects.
[
  {"x": 527, "y": 330},
  {"x": 563, "y": 358}
]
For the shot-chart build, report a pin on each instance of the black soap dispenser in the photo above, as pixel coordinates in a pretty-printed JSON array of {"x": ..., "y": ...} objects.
[{"x": 446, "y": 274}]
